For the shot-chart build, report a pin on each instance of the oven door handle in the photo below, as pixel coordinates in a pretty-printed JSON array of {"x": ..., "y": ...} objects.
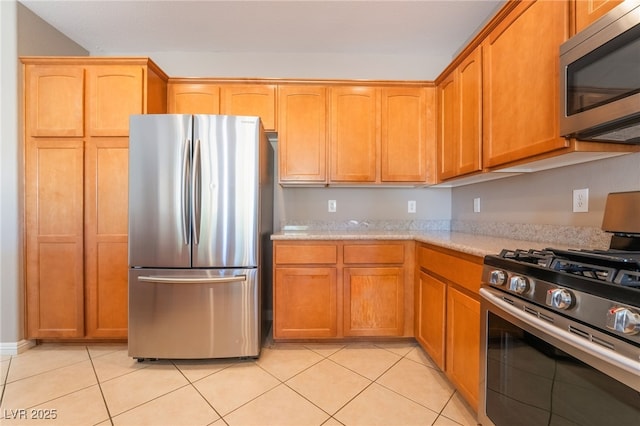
[{"x": 605, "y": 355}]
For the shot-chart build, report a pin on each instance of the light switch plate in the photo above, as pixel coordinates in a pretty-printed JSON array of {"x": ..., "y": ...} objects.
[
  {"x": 332, "y": 206},
  {"x": 411, "y": 206},
  {"x": 476, "y": 205}
]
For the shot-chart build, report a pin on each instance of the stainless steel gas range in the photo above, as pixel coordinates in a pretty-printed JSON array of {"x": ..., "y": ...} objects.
[{"x": 561, "y": 330}]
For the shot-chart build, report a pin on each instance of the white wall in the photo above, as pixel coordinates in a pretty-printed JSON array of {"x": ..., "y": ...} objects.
[
  {"x": 23, "y": 34},
  {"x": 546, "y": 197},
  {"x": 300, "y": 65},
  {"x": 10, "y": 227}
]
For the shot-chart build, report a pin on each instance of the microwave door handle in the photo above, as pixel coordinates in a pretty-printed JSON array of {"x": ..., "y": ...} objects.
[
  {"x": 196, "y": 191},
  {"x": 185, "y": 196}
]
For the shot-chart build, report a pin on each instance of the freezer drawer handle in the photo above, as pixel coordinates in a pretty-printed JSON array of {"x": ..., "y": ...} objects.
[{"x": 183, "y": 280}]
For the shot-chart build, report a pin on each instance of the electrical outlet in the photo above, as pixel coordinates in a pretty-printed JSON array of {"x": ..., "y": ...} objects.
[
  {"x": 476, "y": 205},
  {"x": 581, "y": 200},
  {"x": 411, "y": 206},
  {"x": 332, "y": 206}
]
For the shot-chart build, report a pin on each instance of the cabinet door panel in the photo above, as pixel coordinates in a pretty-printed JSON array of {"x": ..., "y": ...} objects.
[
  {"x": 521, "y": 83},
  {"x": 404, "y": 134},
  {"x": 448, "y": 127},
  {"x": 430, "y": 316},
  {"x": 255, "y": 100},
  {"x": 302, "y": 135},
  {"x": 54, "y": 244},
  {"x": 374, "y": 301},
  {"x": 114, "y": 93},
  {"x": 193, "y": 99},
  {"x": 588, "y": 11},
  {"x": 106, "y": 236},
  {"x": 55, "y": 100},
  {"x": 469, "y": 139},
  {"x": 353, "y": 134},
  {"x": 305, "y": 302},
  {"x": 463, "y": 343},
  {"x": 107, "y": 290}
]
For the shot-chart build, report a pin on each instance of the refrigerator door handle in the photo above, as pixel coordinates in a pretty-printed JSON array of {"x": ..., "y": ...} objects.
[
  {"x": 184, "y": 280},
  {"x": 196, "y": 197},
  {"x": 186, "y": 172}
]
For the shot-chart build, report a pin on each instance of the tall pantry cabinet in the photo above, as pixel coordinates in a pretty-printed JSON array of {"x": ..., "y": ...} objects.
[{"x": 76, "y": 126}]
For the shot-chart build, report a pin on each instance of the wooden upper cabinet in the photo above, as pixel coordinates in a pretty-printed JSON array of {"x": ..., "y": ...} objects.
[
  {"x": 114, "y": 92},
  {"x": 460, "y": 119},
  {"x": 250, "y": 99},
  {"x": 470, "y": 104},
  {"x": 405, "y": 124},
  {"x": 56, "y": 100},
  {"x": 588, "y": 11},
  {"x": 353, "y": 134},
  {"x": 193, "y": 98},
  {"x": 520, "y": 76},
  {"x": 302, "y": 134}
]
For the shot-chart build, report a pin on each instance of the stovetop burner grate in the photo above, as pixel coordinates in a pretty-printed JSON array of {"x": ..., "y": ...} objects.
[{"x": 611, "y": 266}]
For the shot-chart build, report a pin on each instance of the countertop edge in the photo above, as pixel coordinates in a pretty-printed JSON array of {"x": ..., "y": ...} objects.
[{"x": 473, "y": 244}]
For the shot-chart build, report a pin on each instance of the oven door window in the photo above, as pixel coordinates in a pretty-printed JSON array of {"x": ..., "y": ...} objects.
[{"x": 530, "y": 382}]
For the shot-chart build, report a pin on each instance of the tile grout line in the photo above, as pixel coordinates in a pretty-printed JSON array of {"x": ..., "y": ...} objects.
[
  {"x": 93, "y": 367},
  {"x": 4, "y": 382},
  {"x": 198, "y": 391}
]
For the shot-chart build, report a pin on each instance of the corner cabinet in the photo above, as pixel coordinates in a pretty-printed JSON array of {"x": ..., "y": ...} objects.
[
  {"x": 342, "y": 289},
  {"x": 76, "y": 164},
  {"x": 520, "y": 82},
  {"x": 447, "y": 314}
]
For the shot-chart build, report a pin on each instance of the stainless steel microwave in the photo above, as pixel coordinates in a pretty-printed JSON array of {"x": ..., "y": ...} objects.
[{"x": 600, "y": 79}]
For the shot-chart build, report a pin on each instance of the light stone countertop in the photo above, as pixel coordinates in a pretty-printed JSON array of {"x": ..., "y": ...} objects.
[{"x": 478, "y": 245}]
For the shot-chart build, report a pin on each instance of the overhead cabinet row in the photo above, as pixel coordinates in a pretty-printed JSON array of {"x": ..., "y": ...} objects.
[
  {"x": 498, "y": 101},
  {"x": 331, "y": 134}
]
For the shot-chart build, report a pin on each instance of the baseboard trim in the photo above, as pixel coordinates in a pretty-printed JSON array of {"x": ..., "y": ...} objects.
[{"x": 15, "y": 348}]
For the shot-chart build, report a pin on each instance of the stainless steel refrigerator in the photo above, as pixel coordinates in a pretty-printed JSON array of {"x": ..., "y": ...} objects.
[{"x": 200, "y": 217}]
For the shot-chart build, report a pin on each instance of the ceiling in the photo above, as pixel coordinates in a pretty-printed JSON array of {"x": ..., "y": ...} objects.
[{"x": 324, "y": 27}]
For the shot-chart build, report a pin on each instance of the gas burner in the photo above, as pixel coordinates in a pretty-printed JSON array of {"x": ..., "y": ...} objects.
[{"x": 536, "y": 257}]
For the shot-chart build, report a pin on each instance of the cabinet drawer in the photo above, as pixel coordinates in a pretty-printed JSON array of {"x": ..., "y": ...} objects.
[
  {"x": 305, "y": 254},
  {"x": 456, "y": 269},
  {"x": 373, "y": 253}
]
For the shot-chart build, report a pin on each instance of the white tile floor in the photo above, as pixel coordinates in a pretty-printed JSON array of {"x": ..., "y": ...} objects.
[{"x": 290, "y": 384}]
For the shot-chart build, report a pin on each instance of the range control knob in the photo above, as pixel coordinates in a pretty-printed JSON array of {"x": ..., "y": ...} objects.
[
  {"x": 560, "y": 298},
  {"x": 623, "y": 320},
  {"x": 497, "y": 277},
  {"x": 519, "y": 284}
]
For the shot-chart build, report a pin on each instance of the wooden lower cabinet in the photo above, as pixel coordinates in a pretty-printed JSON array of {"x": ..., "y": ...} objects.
[
  {"x": 431, "y": 304},
  {"x": 463, "y": 343},
  {"x": 373, "y": 301},
  {"x": 338, "y": 289},
  {"x": 447, "y": 320},
  {"x": 305, "y": 302}
]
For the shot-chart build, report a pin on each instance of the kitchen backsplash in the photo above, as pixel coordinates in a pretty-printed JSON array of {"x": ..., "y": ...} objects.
[{"x": 577, "y": 236}]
